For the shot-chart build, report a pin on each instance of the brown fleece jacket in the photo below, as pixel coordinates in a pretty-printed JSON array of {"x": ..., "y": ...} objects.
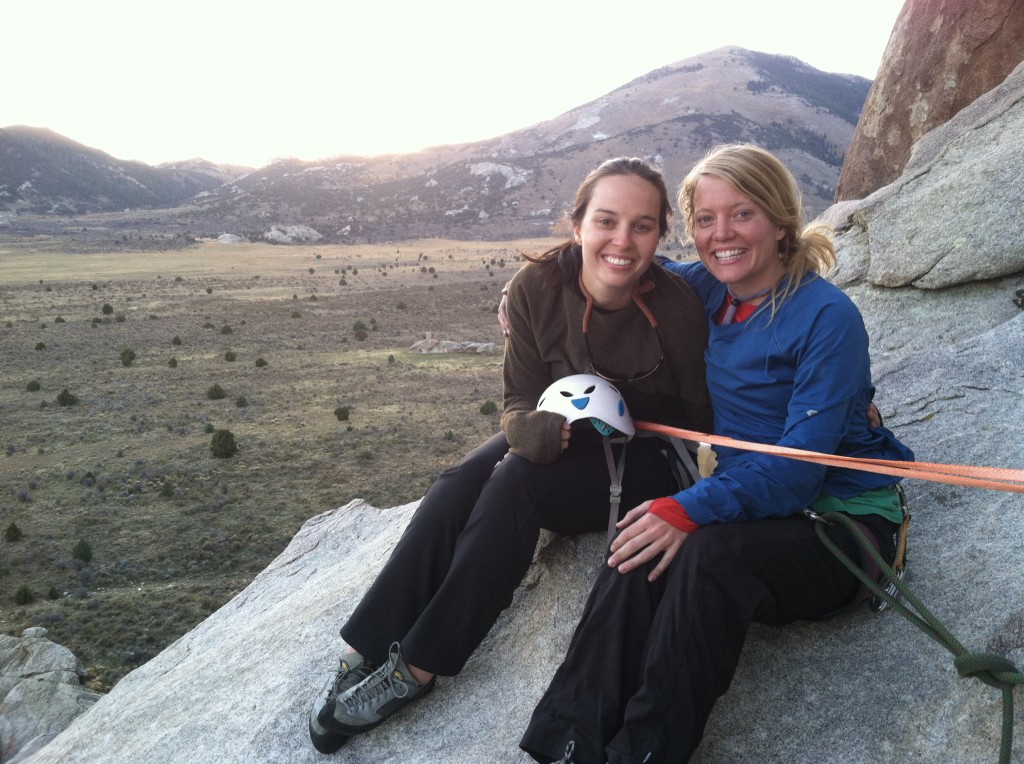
[{"x": 546, "y": 343}]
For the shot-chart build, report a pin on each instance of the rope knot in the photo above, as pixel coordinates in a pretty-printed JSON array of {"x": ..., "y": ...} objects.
[{"x": 986, "y": 667}]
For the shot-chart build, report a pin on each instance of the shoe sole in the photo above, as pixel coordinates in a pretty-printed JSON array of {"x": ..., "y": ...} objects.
[
  {"x": 345, "y": 729},
  {"x": 323, "y": 740}
]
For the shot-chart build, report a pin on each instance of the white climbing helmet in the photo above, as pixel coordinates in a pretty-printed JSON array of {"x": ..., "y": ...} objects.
[{"x": 587, "y": 396}]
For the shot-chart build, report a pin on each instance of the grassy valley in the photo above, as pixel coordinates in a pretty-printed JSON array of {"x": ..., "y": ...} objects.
[{"x": 119, "y": 529}]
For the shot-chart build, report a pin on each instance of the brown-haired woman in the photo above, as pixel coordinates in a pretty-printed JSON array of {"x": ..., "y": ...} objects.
[{"x": 593, "y": 305}]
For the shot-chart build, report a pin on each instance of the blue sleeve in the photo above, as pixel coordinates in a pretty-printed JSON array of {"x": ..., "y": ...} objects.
[
  {"x": 826, "y": 350},
  {"x": 709, "y": 289}
]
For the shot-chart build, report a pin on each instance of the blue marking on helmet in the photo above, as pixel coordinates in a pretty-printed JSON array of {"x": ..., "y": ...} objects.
[
  {"x": 581, "y": 403},
  {"x": 622, "y": 408}
]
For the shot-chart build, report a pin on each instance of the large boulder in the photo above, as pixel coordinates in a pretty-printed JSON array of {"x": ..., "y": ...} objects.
[
  {"x": 41, "y": 691},
  {"x": 942, "y": 55},
  {"x": 953, "y": 217}
]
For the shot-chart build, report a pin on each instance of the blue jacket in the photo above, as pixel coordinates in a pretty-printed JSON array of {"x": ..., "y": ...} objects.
[{"x": 802, "y": 379}]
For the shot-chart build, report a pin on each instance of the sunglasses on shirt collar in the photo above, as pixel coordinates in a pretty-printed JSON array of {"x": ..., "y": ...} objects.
[{"x": 612, "y": 376}]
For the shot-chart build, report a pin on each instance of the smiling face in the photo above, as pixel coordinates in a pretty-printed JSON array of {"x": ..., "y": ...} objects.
[
  {"x": 619, "y": 233},
  {"x": 735, "y": 238}
]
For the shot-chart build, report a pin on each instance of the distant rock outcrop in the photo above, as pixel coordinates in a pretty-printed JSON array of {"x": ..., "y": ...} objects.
[
  {"x": 431, "y": 345},
  {"x": 941, "y": 56},
  {"x": 859, "y": 689},
  {"x": 289, "y": 234}
]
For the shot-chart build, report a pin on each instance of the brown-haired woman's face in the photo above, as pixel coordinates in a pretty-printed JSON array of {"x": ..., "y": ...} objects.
[{"x": 619, "y": 234}]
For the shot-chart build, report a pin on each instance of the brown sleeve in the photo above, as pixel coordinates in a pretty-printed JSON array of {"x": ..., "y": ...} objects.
[{"x": 534, "y": 435}]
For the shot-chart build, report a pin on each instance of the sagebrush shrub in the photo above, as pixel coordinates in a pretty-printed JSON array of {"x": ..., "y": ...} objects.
[
  {"x": 226, "y": 329},
  {"x": 24, "y": 596},
  {"x": 223, "y": 445},
  {"x": 173, "y": 363},
  {"x": 65, "y": 398},
  {"x": 231, "y": 356},
  {"x": 107, "y": 309},
  {"x": 82, "y": 551},
  {"x": 489, "y": 407},
  {"x": 128, "y": 356},
  {"x": 215, "y": 392},
  {"x": 13, "y": 533},
  {"x": 241, "y": 402},
  {"x": 176, "y": 340},
  {"x": 260, "y": 363},
  {"x": 40, "y": 346},
  {"x": 342, "y": 413},
  {"x": 33, "y": 386}
]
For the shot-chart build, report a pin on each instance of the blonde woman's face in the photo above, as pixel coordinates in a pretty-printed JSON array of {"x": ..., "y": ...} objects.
[
  {"x": 735, "y": 238},
  {"x": 619, "y": 235}
]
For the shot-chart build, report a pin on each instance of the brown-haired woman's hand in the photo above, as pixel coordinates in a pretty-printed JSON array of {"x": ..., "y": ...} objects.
[{"x": 874, "y": 416}]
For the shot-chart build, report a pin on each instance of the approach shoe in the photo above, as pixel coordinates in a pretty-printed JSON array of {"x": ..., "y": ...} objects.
[
  {"x": 385, "y": 691},
  {"x": 352, "y": 670}
]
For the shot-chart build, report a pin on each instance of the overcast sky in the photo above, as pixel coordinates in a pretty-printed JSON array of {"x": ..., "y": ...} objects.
[{"x": 248, "y": 82}]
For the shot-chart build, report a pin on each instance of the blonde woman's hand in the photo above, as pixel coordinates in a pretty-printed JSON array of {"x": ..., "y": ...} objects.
[{"x": 643, "y": 537}]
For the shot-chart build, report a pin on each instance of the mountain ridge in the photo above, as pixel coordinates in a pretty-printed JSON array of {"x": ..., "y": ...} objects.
[{"x": 510, "y": 186}]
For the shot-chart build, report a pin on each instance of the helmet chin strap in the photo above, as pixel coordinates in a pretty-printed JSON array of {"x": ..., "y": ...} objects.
[{"x": 615, "y": 472}]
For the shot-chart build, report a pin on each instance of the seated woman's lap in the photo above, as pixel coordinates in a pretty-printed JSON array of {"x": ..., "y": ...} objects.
[{"x": 571, "y": 495}]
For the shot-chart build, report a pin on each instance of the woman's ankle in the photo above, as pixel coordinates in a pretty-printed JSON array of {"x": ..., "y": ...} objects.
[{"x": 421, "y": 676}]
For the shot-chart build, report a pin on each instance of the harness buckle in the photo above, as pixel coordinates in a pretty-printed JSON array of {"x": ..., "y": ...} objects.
[{"x": 899, "y": 563}]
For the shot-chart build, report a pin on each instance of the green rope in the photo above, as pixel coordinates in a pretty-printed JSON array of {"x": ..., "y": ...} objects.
[{"x": 994, "y": 670}]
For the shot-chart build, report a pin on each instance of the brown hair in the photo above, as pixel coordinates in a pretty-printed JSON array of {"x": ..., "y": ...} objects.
[{"x": 567, "y": 255}]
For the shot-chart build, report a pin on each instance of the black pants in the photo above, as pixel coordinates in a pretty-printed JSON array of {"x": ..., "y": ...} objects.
[
  {"x": 649, "y": 660},
  {"x": 472, "y": 539}
]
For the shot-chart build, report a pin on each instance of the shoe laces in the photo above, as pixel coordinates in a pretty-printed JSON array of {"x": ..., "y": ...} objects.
[
  {"x": 384, "y": 680},
  {"x": 569, "y": 749},
  {"x": 344, "y": 669}
]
